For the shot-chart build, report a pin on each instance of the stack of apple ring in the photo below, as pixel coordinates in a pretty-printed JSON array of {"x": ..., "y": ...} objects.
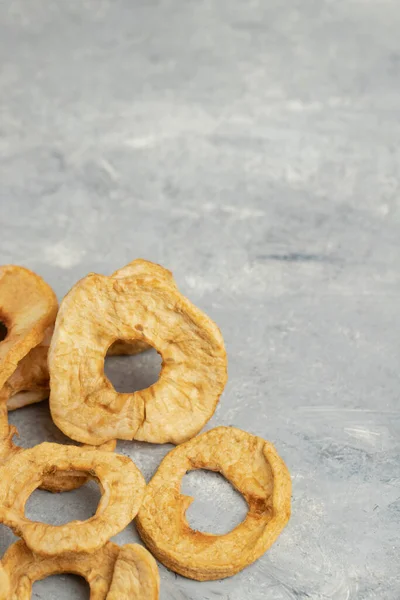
[{"x": 45, "y": 351}]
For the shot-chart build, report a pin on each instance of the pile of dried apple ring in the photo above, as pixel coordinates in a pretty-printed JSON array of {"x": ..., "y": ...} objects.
[{"x": 59, "y": 352}]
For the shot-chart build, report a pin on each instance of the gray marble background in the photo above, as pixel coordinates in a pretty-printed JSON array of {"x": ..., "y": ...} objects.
[{"x": 252, "y": 147}]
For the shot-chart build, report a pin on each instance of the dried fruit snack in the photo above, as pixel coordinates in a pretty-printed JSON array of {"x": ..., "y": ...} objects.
[
  {"x": 30, "y": 381},
  {"x": 28, "y": 306},
  {"x": 253, "y": 467},
  {"x": 140, "y": 302},
  {"x": 113, "y": 572},
  {"x": 120, "y": 481}
]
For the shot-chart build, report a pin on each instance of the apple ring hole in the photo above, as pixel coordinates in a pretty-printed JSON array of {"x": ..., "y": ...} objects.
[
  {"x": 62, "y": 587},
  {"x": 62, "y": 508},
  {"x": 130, "y": 374},
  {"x": 3, "y": 331},
  {"x": 217, "y": 507}
]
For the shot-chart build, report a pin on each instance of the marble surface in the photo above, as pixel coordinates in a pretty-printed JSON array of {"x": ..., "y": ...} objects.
[{"x": 252, "y": 148}]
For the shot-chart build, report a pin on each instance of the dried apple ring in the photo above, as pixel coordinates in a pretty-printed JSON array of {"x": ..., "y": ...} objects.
[
  {"x": 253, "y": 467},
  {"x": 113, "y": 572},
  {"x": 121, "y": 483},
  {"x": 30, "y": 381},
  {"x": 139, "y": 302},
  {"x": 28, "y": 306}
]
